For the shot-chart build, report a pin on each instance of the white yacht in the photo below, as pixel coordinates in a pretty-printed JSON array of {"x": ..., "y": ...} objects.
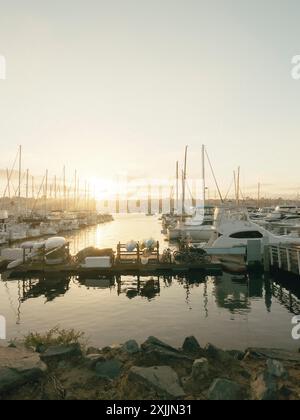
[
  {"x": 233, "y": 228},
  {"x": 198, "y": 228},
  {"x": 3, "y": 227}
]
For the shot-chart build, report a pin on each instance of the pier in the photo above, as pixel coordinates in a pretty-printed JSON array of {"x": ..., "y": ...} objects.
[{"x": 284, "y": 258}]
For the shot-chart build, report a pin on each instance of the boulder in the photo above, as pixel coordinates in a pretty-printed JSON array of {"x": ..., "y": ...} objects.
[
  {"x": 276, "y": 368},
  {"x": 19, "y": 366},
  {"x": 93, "y": 350},
  {"x": 58, "y": 353},
  {"x": 277, "y": 354},
  {"x": 109, "y": 369},
  {"x": 131, "y": 347},
  {"x": 161, "y": 352},
  {"x": 91, "y": 360},
  {"x": 191, "y": 345},
  {"x": 200, "y": 369},
  {"x": 162, "y": 379},
  {"x": 10, "y": 380},
  {"x": 214, "y": 352},
  {"x": 225, "y": 390},
  {"x": 265, "y": 387}
]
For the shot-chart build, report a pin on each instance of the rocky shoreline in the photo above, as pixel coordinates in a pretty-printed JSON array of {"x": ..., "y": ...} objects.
[{"x": 152, "y": 371}]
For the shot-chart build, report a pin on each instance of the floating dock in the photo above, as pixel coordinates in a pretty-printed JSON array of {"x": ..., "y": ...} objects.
[{"x": 135, "y": 269}]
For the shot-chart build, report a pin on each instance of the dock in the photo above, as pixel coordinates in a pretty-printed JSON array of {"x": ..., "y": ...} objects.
[
  {"x": 285, "y": 258},
  {"x": 135, "y": 269}
]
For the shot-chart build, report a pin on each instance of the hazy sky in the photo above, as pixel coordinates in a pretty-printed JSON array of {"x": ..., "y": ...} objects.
[{"x": 123, "y": 85}]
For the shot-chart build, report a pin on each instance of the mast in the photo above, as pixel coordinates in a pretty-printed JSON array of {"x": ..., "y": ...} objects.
[
  {"x": 46, "y": 191},
  {"x": 258, "y": 195},
  {"x": 177, "y": 186},
  {"x": 20, "y": 176},
  {"x": 8, "y": 183},
  {"x": 75, "y": 190},
  {"x": 64, "y": 188},
  {"x": 238, "y": 186},
  {"x": 27, "y": 189},
  {"x": 184, "y": 181},
  {"x": 203, "y": 172}
]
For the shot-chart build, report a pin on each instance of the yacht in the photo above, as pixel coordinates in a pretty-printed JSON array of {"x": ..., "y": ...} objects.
[
  {"x": 233, "y": 228},
  {"x": 3, "y": 227},
  {"x": 199, "y": 228}
]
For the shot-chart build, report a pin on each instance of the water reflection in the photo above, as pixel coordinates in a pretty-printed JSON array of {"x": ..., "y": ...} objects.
[{"x": 229, "y": 310}]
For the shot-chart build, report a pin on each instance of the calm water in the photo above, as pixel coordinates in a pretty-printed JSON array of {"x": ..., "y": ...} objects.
[{"x": 229, "y": 311}]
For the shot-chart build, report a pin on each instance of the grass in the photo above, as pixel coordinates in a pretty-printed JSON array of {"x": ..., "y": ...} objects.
[{"x": 54, "y": 337}]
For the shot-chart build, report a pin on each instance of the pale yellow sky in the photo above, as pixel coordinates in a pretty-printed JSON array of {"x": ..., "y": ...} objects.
[{"x": 122, "y": 86}]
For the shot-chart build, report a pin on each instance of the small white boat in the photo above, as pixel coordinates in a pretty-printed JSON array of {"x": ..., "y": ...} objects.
[{"x": 198, "y": 228}]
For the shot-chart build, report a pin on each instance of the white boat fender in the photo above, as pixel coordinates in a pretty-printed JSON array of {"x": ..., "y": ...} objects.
[
  {"x": 14, "y": 264},
  {"x": 56, "y": 242}
]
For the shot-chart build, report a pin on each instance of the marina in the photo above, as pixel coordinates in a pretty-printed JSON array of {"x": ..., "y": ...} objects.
[
  {"x": 173, "y": 300},
  {"x": 149, "y": 203}
]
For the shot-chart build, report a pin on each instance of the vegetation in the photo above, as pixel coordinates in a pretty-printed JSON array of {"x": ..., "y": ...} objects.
[{"x": 54, "y": 337}]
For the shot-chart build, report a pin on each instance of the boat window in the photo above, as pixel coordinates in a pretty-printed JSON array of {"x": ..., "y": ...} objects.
[
  {"x": 207, "y": 223},
  {"x": 252, "y": 234}
]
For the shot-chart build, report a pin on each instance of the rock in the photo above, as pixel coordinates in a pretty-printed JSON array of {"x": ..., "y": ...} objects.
[
  {"x": 10, "y": 380},
  {"x": 215, "y": 353},
  {"x": 131, "y": 347},
  {"x": 109, "y": 369},
  {"x": 162, "y": 352},
  {"x": 19, "y": 366},
  {"x": 276, "y": 368},
  {"x": 163, "y": 379},
  {"x": 285, "y": 392},
  {"x": 191, "y": 345},
  {"x": 40, "y": 348},
  {"x": 58, "y": 353},
  {"x": 225, "y": 390},
  {"x": 92, "y": 359},
  {"x": 93, "y": 350},
  {"x": 236, "y": 354},
  {"x": 200, "y": 369},
  {"x": 265, "y": 387},
  {"x": 282, "y": 355}
]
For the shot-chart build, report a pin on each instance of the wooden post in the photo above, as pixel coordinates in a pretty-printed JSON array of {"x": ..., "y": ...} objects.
[
  {"x": 271, "y": 255},
  {"x": 267, "y": 259},
  {"x": 298, "y": 259},
  {"x": 138, "y": 252},
  {"x": 279, "y": 257},
  {"x": 288, "y": 260}
]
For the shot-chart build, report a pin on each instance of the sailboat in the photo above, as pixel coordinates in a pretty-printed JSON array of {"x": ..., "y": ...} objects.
[{"x": 200, "y": 226}]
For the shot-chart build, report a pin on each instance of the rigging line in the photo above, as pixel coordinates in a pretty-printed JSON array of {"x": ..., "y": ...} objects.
[
  {"x": 35, "y": 202},
  {"x": 10, "y": 174},
  {"x": 214, "y": 176},
  {"x": 229, "y": 189}
]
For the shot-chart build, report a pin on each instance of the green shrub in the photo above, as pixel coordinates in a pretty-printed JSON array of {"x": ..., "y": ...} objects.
[{"x": 54, "y": 337}]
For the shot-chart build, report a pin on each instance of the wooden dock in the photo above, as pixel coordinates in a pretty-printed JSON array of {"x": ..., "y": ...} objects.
[{"x": 136, "y": 269}]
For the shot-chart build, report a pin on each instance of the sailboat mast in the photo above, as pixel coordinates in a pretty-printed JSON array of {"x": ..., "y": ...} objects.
[
  {"x": 177, "y": 186},
  {"x": 238, "y": 186},
  {"x": 184, "y": 181},
  {"x": 27, "y": 190},
  {"x": 203, "y": 172},
  {"x": 20, "y": 176},
  {"x": 46, "y": 191}
]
